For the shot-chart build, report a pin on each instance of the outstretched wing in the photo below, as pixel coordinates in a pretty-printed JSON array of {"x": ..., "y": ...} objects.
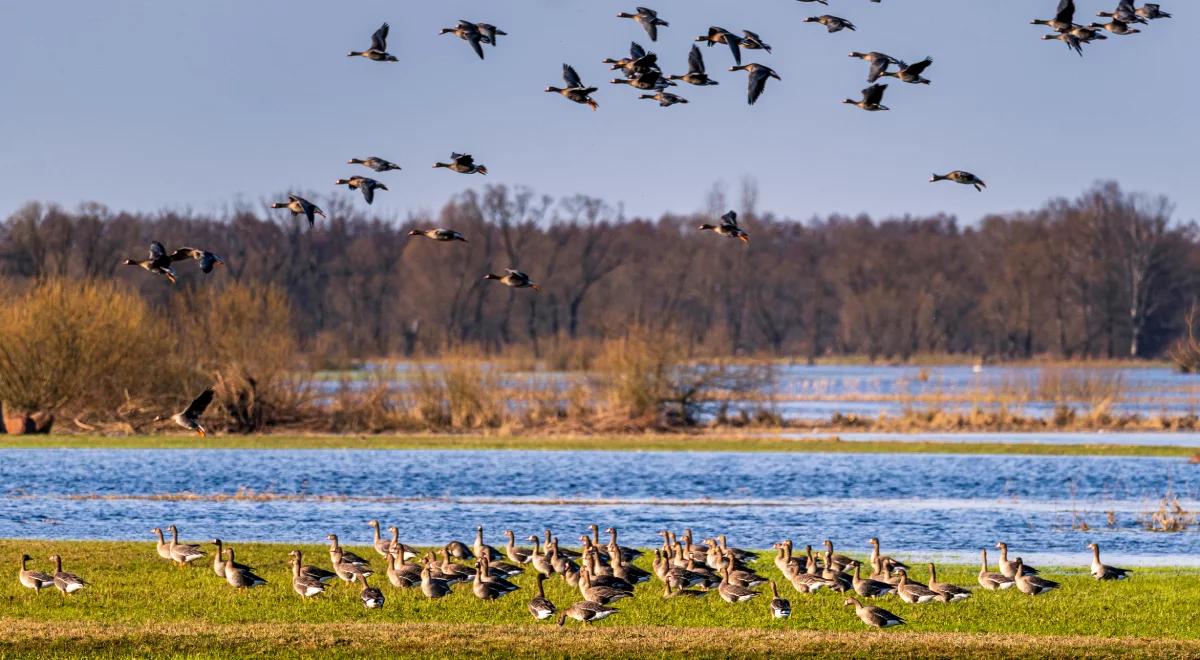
[
  {"x": 571, "y": 77},
  {"x": 379, "y": 39},
  {"x": 466, "y": 160},
  {"x": 873, "y": 95},
  {"x": 695, "y": 60},
  {"x": 878, "y": 67},
  {"x": 199, "y": 404},
  {"x": 185, "y": 253},
  {"x": 1066, "y": 11},
  {"x": 758, "y": 82},
  {"x": 476, "y": 46},
  {"x": 730, "y": 218},
  {"x": 919, "y": 67},
  {"x": 735, "y": 47},
  {"x": 651, "y": 27},
  {"x": 636, "y": 51},
  {"x": 208, "y": 260},
  {"x": 368, "y": 191},
  {"x": 157, "y": 251}
]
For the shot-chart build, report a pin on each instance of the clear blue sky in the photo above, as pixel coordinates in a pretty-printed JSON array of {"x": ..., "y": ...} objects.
[{"x": 152, "y": 104}]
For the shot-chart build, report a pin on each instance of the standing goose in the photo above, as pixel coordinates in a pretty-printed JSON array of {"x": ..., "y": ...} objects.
[
  {"x": 367, "y": 185},
  {"x": 300, "y": 206},
  {"x": 382, "y": 546},
  {"x": 403, "y": 575},
  {"x": 695, "y": 75},
  {"x": 439, "y": 234},
  {"x": 395, "y": 546},
  {"x": 648, "y": 19},
  {"x": 431, "y": 586},
  {"x": 378, "y": 50},
  {"x": 876, "y": 556},
  {"x": 468, "y": 32},
  {"x": 872, "y": 99},
  {"x": 374, "y": 162},
  {"x": 182, "y": 553},
  {"x": 189, "y": 418},
  {"x": 869, "y": 588},
  {"x": 574, "y": 91},
  {"x": 1028, "y": 583},
  {"x": 307, "y": 570},
  {"x": 834, "y": 561},
  {"x": 1064, "y": 17},
  {"x": 515, "y": 555},
  {"x": 345, "y": 569},
  {"x": 913, "y": 593},
  {"x": 989, "y": 580},
  {"x": 719, "y": 35},
  {"x": 733, "y": 593},
  {"x": 482, "y": 549},
  {"x": 1104, "y": 572},
  {"x": 586, "y": 611},
  {"x": 874, "y": 616},
  {"x": 218, "y": 564},
  {"x": 346, "y": 555},
  {"x": 485, "y": 590},
  {"x": 31, "y": 579},
  {"x": 371, "y": 597},
  {"x": 66, "y": 583},
  {"x": 597, "y": 593},
  {"x": 780, "y": 607},
  {"x": 540, "y": 562},
  {"x": 305, "y": 585},
  {"x": 949, "y": 593},
  {"x": 539, "y": 606},
  {"x": 159, "y": 262},
  {"x": 759, "y": 74},
  {"x": 911, "y": 73},
  {"x": 207, "y": 259},
  {"x": 960, "y": 176},
  {"x": 728, "y": 227},
  {"x": 240, "y": 578},
  {"x": 1009, "y": 568},
  {"x": 463, "y": 164},
  {"x": 831, "y": 23},
  {"x": 751, "y": 41},
  {"x": 515, "y": 279}
]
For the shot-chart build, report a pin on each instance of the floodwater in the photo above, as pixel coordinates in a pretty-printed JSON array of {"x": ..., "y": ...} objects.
[{"x": 939, "y": 506}]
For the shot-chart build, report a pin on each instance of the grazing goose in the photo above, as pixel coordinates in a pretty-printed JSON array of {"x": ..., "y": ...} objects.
[
  {"x": 949, "y": 593},
  {"x": 382, "y": 546},
  {"x": 1009, "y": 568},
  {"x": 463, "y": 164},
  {"x": 1102, "y": 571},
  {"x": 831, "y": 23},
  {"x": 872, "y": 99},
  {"x": 31, "y": 579},
  {"x": 159, "y": 262},
  {"x": 989, "y": 580},
  {"x": 586, "y": 612},
  {"x": 468, "y": 32},
  {"x": 489, "y": 33},
  {"x": 459, "y": 550},
  {"x": 758, "y": 79},
  {"x": 305, "y": 585},
  {"x": 514, "y": 279},
  {"x": 780, "y": 607},
  {"x": 751, "y": 41},
  {"x": 733, "y": 593},
  {"x": 431, "y": 586},
  {"x": 367, "y": 185},
  {"x": 910, "y": 73},
  {"x": 913, "y": 593},
  {"x": 695, "y": 75},
  {"x": 1124, "y": 13},
  {"x": 66, "y": 583},
  {"x": 309, "y": 571},
  {"x": 648, "y": 19},
  {"x": 1028, "y": 583},
  {"x": 371, "y": 597},
  {"x": 728, "y": 227},
  {"x": 374, "y": 162},
  {"x": 539, "y": 606},
  {"x": 439, "y": 234},
  {"x": 486, "y": 589},
  {"x": 718, "y": 35},
  {"x": 962, "y": 177},
  {"x": 1064, "y": 17},
  {"x": 1116, "y": 27},
  {"x": 574, "y": 91},
  {"x": 182, "y": 553},
  {"x": 874, "y": 616},
  {"x": 240, "y": 578},
  {"x": 218, "y": 564},
  {"x": 665, "y": 99},
  {"x": 189, "y": 418},
  {"x": 300, "y": 206},
  {"x": 378, "y": 50},
  {"x": 1151, "y": 11},
  {"x": 869, "y": 588},
  {"x": 207, "y": 259}
]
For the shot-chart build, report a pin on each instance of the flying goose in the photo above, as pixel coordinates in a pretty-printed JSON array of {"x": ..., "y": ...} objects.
[
  {"x": 1009, "y": 568},
  {"x": 874, "y": 616},
  {"x": 648, "y": 19},
  {"x": 758, "y": 79},
  {"x": 439, "y": 234},
  {"x": 489, "y": 32},
  {"x": 910, "y": 73},
  {"x": 574, "y": 91},
  {"x": 539, "y": 606},
  {"x": 515, "y": 279},
  {"x": 665, "y": 99},
  {"x": 159, "y": 262},
  {"x": 1151, "y": 11},
  {"x": 639, "y": 61},
  {"x": 872, "y": 99},
  {"x": 378, "y": 50},
  {"x": 207, "y": 259},
  {"x": 218, "y": 564},
  {"x": 645, "y": 80},
  {"x": 31, "y": 579},
  {"x": 1104, "y": 572},
  {"x": 67, "y": 583},
  {"x": 586, "y": 611},
  {"x": 307, "y": 570},
  {"x": 780, "y": 608},
  {"x": 463, "y": 164},
  {"x": 1124, "y": 13},
  {"x": 1064, "y": 17},
  {"x": 1116, "y": 27},
  {"x": 468, "y": 32},
  {"x": 1028, "y": 583},
  {"x": 189, "y": 418},
  {"x": 989, "y": 580},
  {"x": 963, "y": 177},
  {"x": 879, "y": 63},
  {"x": 240, "y": 578},
  {"x": 948, "y": 593},
  {"x": 1073, "y": 42},
  {"x": 374, "y": 162},
  {"x": 371, "y": 597},
  {"x": 300, "y": 206},
  {"x": 305, "y": 585},
  {"x": 365, "y": 184},
  {"x": 695, "y": 75},
  {"x": 728, "y": 227},
  {"x": 831, "y": 23},
  {"x": 751, "y": 41},
  {"x": 719, "y": 35},
  {"x": 182, "y": 553}
]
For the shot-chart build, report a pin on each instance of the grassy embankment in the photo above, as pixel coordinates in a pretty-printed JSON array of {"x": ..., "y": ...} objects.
[{"x": 139, "y": 604}]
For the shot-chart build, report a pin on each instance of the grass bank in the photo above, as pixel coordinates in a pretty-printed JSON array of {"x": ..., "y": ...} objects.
[
  {"x": 631, "y": 442},
  {"x": 139, "y": 604}
]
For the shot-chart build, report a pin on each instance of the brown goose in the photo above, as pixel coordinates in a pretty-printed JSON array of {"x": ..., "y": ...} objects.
[
  {"x": 433, "y": 587},
  {"x": 482, "y": 549},
  {"x": 728, "y": 227},
  {"x": 206, "y": 259},
  {"x": 375, "y": 163},
  {"x": 378, "y": 50},
  {"x": 719, "y": 35},
  {"x": 240, "y": 578},
  {"x": 597, "y": 593},
  {"x": 872, "y": 99},
  {"x": 371, "y": 597},
  {"x": 189, "y": 418},
  {"x": 1120, "y": 28},
  {"x": 989, "y": 580},
  {"x": 485, "y": 590},
  {"x": 876, "y": 555},
  {"x": 514, "y": 279},
  {"x": 948, "y": 593},
  {"x": 489, "y": 33},
  {"x": 695, "y": 75},
  {"x": 1009, "y": 568},
  {"x": 751, "y": 41},
  {"x": 367, "y": 185},
  {"x": 313, "y": 572},
  {"x": 30, "y": 579},
  {"x": 879, "y": 63},
  {"x": 1102, "y": 571},
  {"x": 648, "y": 19},
  {"x": 401, "y": 573},
  {"x": 780, "y": 608},
  {"x": 463, "y": 164},
  {"x": 1028, "y": 583},
  {"x": 394, "y": 545},
  {"x": 910, "y": 73},
  {"x": 759, "y": 73},
  {"x": 868, "y": 588},
  {"x": 219, "y": 562},
  {"x": 1151, "y": 11},
  {"x": 665, "y": 99},
  {"x": 468, "y": 32},
  {"x": 733, "y": 593},
  {"x": 347, "y": 556},
  {"x": 831, "y": 23},
  {"x": 300, "y": 206},
  {"x": 574, "y": 91},
  {"x": 182, "y": 553},
  {"x": 159, "y": 262},
  {"x": 1064, "y": 17},
  {"x": 586, "y": 612},
  {"x": 382, "y": 546},
  {"x": 960, "y": 176},
  {"x": 304, "y": 585},
  {"x": 539, "y": 606},
  {"x": 439, "y": 234},
  {"x": 66, "y": 583},
  {"x": 913, "y": 593},
  {"x": 874, "y": 616}
]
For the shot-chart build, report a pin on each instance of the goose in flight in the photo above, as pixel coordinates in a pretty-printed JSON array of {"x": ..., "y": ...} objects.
[
  {"x": 468, "y": 32},
  {"x": 872, "y": 99},
  {"x": 365, "y": 184},
  {"x": 695, "y": 75},
  {"x": 758, "y": 79},
  {"x": 189, "y": 418},
  {"x": 300, "y": 206},
  {"x": 514, "y": 279},
  {"x": 159, "y": 262},
  {"x": 575, "y": 90},
  {"x": 960, "y": 176},
  {"x": 378, "y": 50},
  {"x": 648, "y": 19},
  {"x": 728, "y": 228},
  {"x": 463, "y": 164}
]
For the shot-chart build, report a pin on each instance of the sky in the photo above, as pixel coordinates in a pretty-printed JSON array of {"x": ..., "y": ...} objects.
[{"x": 151, "y": 105}]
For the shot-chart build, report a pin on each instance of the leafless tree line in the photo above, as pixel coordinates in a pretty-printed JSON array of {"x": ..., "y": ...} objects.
[{"x": 1107, "y": 274}]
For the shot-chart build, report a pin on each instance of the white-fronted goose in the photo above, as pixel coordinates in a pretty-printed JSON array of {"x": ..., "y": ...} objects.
[
  {"x": 304, "y": 585},
  {"x": 831, "y": 23},
  {"x": 495, "y": 576},
  {"x": 162, "y": 547},
  {"x": 432, "y": 587},
  {"x": 240, "y": 578},
  {"x": 1102, "y": 571},
  {"x": 439, "y": 234},
  {"x": 182, "y": 553},
  {"x": 514, "y": 279},
  {"x": 218, "y": 564},
  {"x": 989, "y": 580},
  {"x": 159, "y": 262},
  {"x": 366, "y": 185},
  {"x": 378, "y": 50},
  {"x": 394, "y": 545},
  {"x": 751, "y": 41},
  {"x": 382, "y": 546},
  {"x": 1064, "y": 17},
  {"x": 1151, "y": 11},
  {"x": 876, "y": 617},
  {"x": 913, "y": 593},
  {"x": 759, "y": 73},
  {"x": 733, "y": 593},
  {"x": 309, "y": 571},
  {"x": 1124, "y": 13},
  {"x": 345, "y": 569},
  {"x": 300, "y": 206},
  {"x": 459, "y": 550},
  {"x": 485, "y": 589},
  {"x": 835, "y": 561},
  {"x": 489, "y": 32},
  {"x": 869, "y": 588},
  {"x": 597, "y": 593},
  {"x": 189, "y": 418},
  {"x": 346, "y": 555},
  {"x": 1028, "y": 583},
  {"x": 627, "y": 572},
  {"x": 31, "y": 579},
  {"x": 1009, "y": 568},
  {"x": 648, "y": 19},
  {"x": 728, "y": 228},
  {"x": 482, "y": 549},
  {"x": 695, "y": 75},
  {"x": 575, "y": 90},
  {"x": 207, "y": 260},
  {"x": 665, "y": 99},
  {"x": 780, "y": 608},
  {"x": 948, "y": 593},
  {"x": 961, "y": 177},
  {"x": 540, "y": 562},
  {"x": 463, "y": 164},
  {"x": 877, "y": 556},
  {"x": 586, "y": 612},
  {"x": 375, "y": 163},
  {"x": 646, "y": 80},
  {"x": 371, "y": 597},
  {"x": 515, "y": 555},
  {"x": 879, "y": 63},
  {"x": 67, "y": 583},
  {"x": 539, "y": 606},
  {"x": 401, "y": 573},
  {"x": 671, "y": 592},
  {"x": 719, "y": 35},
  {"x": 872, "y": 99},
  {"x": 911, "y": 73},
  {"x": 468, "y": 32},
  {"x": 1073, "y": 42},
  {"x": 1119, "y": 28}
]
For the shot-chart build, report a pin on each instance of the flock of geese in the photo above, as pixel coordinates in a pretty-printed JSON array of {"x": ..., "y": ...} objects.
[{"x": 603, "y": 572}]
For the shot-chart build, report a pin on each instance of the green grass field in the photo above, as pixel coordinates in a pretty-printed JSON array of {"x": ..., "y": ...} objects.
[
  {"x": 631, "y": 442},
  {"x": 139, "y": 604}
]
